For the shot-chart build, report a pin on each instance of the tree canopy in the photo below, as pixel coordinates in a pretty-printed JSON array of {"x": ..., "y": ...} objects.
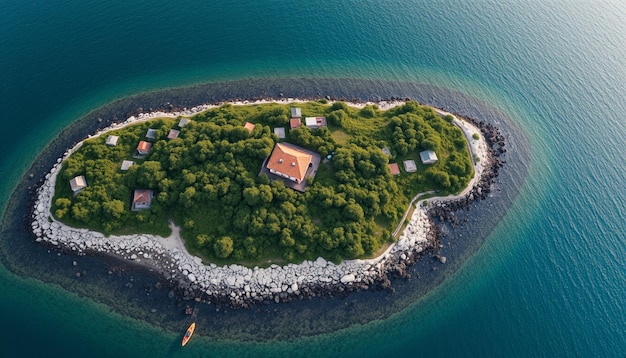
[{"x": 207, "y": 180}]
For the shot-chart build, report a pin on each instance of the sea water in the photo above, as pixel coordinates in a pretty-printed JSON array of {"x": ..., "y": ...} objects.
[{"x": 548, "y": 281}]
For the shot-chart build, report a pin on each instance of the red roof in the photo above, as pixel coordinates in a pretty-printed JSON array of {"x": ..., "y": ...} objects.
[
  {"x": 289, "y": 160},
  {"x": 142, "y": 196},
  {"x": 144, "y": 147},
  {"x": 295, "y": 123},
  {"x": 249, "y": 126},
  {"x": 395, "y": 170}
]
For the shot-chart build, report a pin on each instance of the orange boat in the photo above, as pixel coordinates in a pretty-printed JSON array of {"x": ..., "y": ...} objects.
[{"x": 189, "y": 333}]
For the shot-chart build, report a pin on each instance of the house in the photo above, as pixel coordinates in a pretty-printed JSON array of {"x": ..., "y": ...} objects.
[
  {"x": 428, "y": 157},
  {"x": 289, "y": 161},
  {"x": 112, "y": 140},
  {"x": 280, "y": 132},
  {"x": 183, "y": 122},
  {"x": 144, "y": 147},
  {"x": 173, "y": 134},
  {"x": 151, "y": 134},
  {"x": 78, "y": 183},
  {"x": 296, "y": 112},
  {"x": 409, "y": 166},
  {"x": 386, "y": 151},
  {"x": 315, "y": 122},
  {"x": 127, "y": 164},
  {"x": 395, "y": 170},
  {"x": 249, "y": 126},
  {"x": 294, "y": 123},
  {"x": 142, "y": 199}
]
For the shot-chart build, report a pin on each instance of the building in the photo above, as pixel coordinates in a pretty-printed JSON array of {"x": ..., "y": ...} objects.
[
  {"x": 289, "y": 161},
  {"x": 249, "y": 126},
  {"x": 428, "y": 157},
  {"x": 173, "y": 134},
  {"x": 395, "y": 170},
  {"x": 280, "y": 132},
  {"x": 296, "y": 112},
  {"x": 183, "y": 122},
  {"x": 315, "y": 122},
  {"x": 295, "y": 123},
  {"x": 409, "y": 166},
  {"x": 142, "y": 199},
  {"x": 112, "y": 140},
  {"x": 78, "y": 183},
  {"x": 127, "y": 164},
  {"x": 143, "y": 148},
  {"x": 151, "y": 133}
]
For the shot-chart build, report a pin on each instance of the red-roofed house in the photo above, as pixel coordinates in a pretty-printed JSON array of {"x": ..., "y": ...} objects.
[
  {"x": 289, "y": 162},
  {"x": 142, "y": 198},
  {"x": 295, "y": 123},
  {"x": 395, "y": 170},
  {"x": 249, "y": 126},
  {"x": 144, "y": 147}
]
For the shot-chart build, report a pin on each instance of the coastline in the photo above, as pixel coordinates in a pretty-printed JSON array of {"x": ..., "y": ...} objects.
[{"x": 239, "y": 286}]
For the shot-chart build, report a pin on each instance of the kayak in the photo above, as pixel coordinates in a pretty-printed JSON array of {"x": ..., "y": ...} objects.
[{"x": 189, "y": 332}]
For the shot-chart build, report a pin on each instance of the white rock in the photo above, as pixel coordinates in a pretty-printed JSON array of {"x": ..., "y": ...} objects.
[
  {"x": 348, "y": 278},
  {"x": 320, "y": 262}
]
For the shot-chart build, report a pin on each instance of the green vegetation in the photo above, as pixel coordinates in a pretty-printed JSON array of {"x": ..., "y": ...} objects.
[{"x": 207, "y": 181}]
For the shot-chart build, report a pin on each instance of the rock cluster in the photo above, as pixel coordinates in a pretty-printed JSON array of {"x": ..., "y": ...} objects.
[
  {"x": 236, "y": 285},
  {"x": 443, "y": 210}
]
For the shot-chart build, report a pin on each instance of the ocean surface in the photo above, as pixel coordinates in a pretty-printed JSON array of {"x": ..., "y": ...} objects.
[{"x": 550, "y": 278}]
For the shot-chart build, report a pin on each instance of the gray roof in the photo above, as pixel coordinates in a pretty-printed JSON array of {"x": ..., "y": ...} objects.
[
  {"x": 428, "y": 156},
  {"x": 151, "y": 134}
]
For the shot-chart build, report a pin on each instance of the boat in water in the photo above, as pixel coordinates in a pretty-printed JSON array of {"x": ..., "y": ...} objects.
[{"x": 189, "y": 333}]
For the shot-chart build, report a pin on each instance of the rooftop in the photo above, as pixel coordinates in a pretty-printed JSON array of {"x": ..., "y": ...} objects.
[
  {"x": 296, "y": 112},
  {"x": 395, "y": 170},
  {"x": 78, "y": 183},
  {"x": 144, "y": 147},
  {"x": 173, "y": 134},
  {"x": 280, "y": 132},
  {"x": 127, "y": 164},
  {"x": 183, "y": 122},
  {"x": 428, "y": 157},
  {"x": 112, "y": 140},
  {"x": 151, "y": 133},
  {"x": 289, "y": 160},
  {"x": 249, "y": 126},
  {"x": 294, "y": 123},
  {"x": 409, "y": 166}
]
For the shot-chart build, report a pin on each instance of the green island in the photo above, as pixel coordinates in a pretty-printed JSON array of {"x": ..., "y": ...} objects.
[{"x": 251, "y": 184}]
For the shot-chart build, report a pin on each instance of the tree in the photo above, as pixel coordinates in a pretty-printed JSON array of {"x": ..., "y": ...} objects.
[
  {"x": 223, "y": 247},
  {"x": 114, "y": 208},
  {"x": 369, "y": 111}
]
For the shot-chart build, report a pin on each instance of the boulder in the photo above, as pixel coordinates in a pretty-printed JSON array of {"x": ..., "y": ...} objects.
[{"x": 348, "y": 278}]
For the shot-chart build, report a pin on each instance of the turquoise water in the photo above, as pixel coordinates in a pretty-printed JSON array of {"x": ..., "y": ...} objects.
[{"x": 550, "y": 279}]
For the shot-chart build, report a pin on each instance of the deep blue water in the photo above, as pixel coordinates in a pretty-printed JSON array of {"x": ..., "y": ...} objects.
[{"x": 550, "y": 279}]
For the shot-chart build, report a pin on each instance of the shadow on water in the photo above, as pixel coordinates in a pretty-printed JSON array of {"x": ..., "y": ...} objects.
[{"x": 145, "y": 295}]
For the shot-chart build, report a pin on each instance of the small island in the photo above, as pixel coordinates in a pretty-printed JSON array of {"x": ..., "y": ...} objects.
[{"x": 278, "y": 199}]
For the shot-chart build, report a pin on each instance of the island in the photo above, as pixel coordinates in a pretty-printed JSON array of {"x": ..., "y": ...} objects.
[{"x": 280, "y": 200}]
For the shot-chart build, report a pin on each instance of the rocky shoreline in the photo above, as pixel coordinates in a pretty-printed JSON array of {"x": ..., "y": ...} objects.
[{"x": 238, "y": 286}]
